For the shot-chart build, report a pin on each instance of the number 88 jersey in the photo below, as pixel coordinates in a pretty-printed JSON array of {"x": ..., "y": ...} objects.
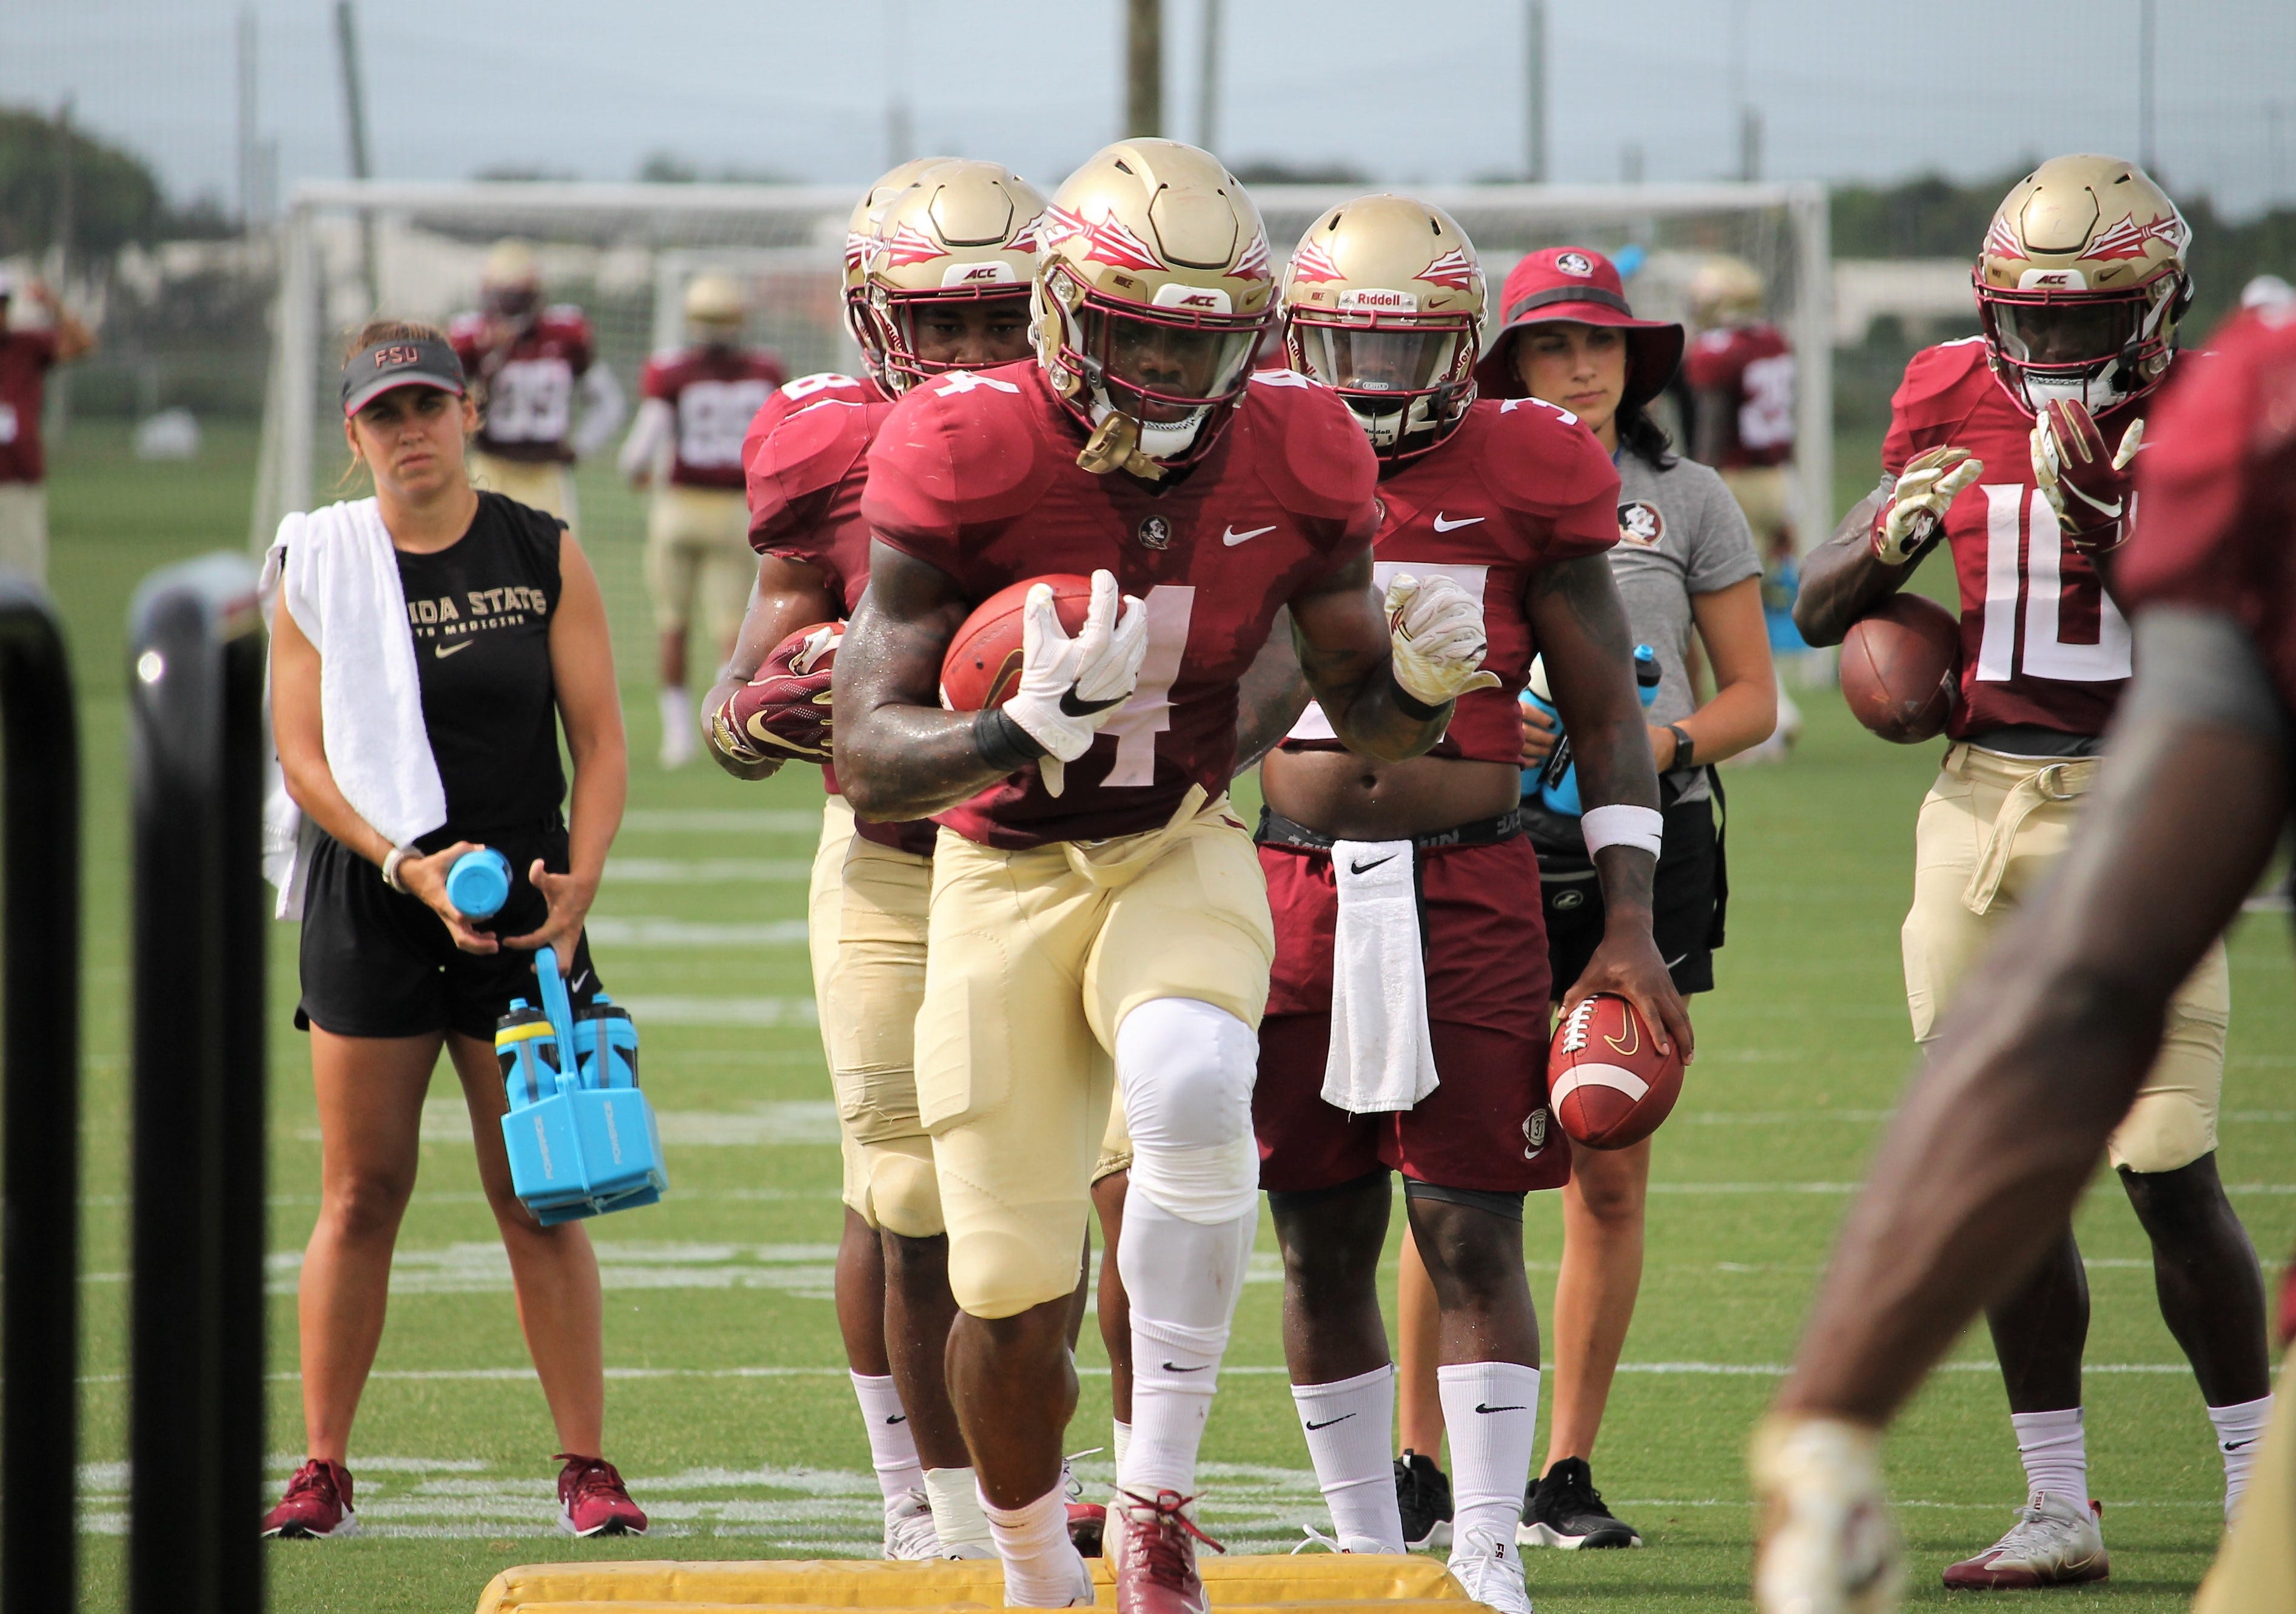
[
  {"x": 974, "y": 474},
  {"x": 2042, "y": 643}
]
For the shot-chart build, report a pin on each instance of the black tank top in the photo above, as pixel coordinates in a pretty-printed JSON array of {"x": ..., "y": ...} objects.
[{"x": 480, "y": 613}]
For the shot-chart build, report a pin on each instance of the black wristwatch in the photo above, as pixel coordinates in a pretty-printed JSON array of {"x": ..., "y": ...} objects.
[{"x": 1684, "y": 747}]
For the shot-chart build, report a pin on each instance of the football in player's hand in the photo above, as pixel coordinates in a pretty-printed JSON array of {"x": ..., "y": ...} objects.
[
  {"x": 783, "y": 711},
  {"x": 982, "y": 667},
  {"x": 1899, "y": 663},
  {"x": 1609, "y": 1084}
]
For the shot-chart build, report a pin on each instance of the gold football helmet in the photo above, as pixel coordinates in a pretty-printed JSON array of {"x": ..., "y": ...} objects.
[
  {"x": 2080, "y": 284},
  {"x": 1383, "y": 303},
  {"x": 964, "y": 232},
  {"x": 1726, "y": 292},
  {"x": 860, "y": 235},
  {"x": 715, "y": 306},
  {"x": 510, "y": 280},
  {"x": 1152, "y": 291}
]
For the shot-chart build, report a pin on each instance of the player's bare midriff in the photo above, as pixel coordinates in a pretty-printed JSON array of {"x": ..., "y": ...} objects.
[{"x": 1353, "y": 798}]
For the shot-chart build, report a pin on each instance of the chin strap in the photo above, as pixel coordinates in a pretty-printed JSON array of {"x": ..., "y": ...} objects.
[{"x": 1114, "y": 445}]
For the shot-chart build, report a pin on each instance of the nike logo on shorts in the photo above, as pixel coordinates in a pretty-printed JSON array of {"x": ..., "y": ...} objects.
[
  {"x": 579, "y": 982},
  {"x": 1444, "y": 525},
  {"x": 1174, "y": 1367},
  {"x": 1231, "y": 537},
  {"x": 444, "y": 651},
  {"x": 1482, "y": 1408},
  {"x": 1327, "y": 1422},
  {"x": 1366, "y": 868}
]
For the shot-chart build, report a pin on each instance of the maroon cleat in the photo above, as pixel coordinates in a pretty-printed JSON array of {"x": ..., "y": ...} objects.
[
  {"x": 1155, "y": 1561},
  {"x": 592, "y": 1501},
  {"x": 318, "y": 1504},
  {"x": 1087, "y": 1527}
]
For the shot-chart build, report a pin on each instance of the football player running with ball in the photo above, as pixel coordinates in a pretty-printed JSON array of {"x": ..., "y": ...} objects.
[
  {"x": 1095, "y": 900},
  {"x": 1444, "y": 1079},
  {"x": 920, "y": 306},
  {"x": 2015, "y": 448}
]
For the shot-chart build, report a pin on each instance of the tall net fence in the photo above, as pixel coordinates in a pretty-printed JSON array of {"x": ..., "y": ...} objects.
[{"x": 624, "y": 254}]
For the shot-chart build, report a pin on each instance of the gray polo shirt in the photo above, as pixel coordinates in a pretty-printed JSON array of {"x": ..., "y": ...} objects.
[{"x": 1680, "y": 534}]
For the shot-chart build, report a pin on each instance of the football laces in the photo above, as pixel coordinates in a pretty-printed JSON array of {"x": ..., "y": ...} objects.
[{"x": 1579, "y": 1023}]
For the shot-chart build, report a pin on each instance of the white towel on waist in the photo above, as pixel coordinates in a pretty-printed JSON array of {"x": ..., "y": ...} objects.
[
  {"x": 1380, "y": 1059},
  {"x": 340, "y": 575}
]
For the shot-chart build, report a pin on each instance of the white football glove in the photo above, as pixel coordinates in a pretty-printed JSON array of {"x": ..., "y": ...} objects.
[
  {"x": 1827, "y": 1543},
  {"x": 1435, "y": 630},
  {"x": 1929, "y": 483},
  {"x": 1070, "y": 686}
]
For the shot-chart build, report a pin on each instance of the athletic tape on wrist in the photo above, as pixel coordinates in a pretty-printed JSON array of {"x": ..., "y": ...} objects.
[
  {"x": 1003, "y": 743},
  {"x": 1640, "y": 827}
]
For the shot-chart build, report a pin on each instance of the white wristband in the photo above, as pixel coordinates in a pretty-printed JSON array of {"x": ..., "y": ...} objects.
[
  {"x": 390, "y": 862},
  {"x": 1622, "y": 826}
]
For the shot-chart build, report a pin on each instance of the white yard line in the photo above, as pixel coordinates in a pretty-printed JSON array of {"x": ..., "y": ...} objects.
[
  {"x": 707, "y": 871},
  {"x": 651, "y": 931},
  {"x": 746, "y": 1012},
  {"x": 726, "y": 821}
]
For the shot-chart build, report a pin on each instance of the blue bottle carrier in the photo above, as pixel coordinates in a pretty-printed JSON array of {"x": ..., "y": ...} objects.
[{"x": 582, "y": 1138}]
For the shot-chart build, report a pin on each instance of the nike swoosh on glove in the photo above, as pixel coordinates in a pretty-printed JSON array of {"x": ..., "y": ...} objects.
[
  {"x": 1827, "y": 1543},
  {"x": 1070, "y": 686},
  {"x": 783, "y": 711},
  {"x": 2088, "y": 486},
  {"x": 1435, "y": 629},
  {"x": 1930, "y": 482}
]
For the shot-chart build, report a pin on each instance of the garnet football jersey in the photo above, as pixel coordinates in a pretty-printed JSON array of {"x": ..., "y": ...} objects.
[
  {"x": 2041, "y": 642},
  {"x": 714, "y": 392},
  {"x": 529, "y": 382},
  {"x": 1752, "y": 367},
  {"x": 779, "y": 406},
  {"x": 1518, "y": 485},
  {"x": 25, "y": 356},
  {"x": 2216, "y": 491},
  {"x": 975, "y": 474}
]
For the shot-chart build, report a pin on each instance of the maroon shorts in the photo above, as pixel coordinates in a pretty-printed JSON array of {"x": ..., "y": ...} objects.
[{"x": 1487, "y": 1125}]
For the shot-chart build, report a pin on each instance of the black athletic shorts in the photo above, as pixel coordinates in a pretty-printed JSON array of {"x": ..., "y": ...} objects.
[
  {"x": 1685, "y": 908},
  {"x": 376, "y": 963}
]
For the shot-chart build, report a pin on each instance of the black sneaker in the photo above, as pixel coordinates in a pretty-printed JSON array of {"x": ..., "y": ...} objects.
[
  {"x": 1423, "y": 1494},
  {"x": 1564, "y": 1510}
]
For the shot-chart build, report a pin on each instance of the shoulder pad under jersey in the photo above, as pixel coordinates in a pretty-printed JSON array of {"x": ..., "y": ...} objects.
[
  {"x": 1539, "y": 458},
  {"x": 964, "y": 447},
  {"x": 1312, "y": 452},
  {"x": 566, "y": 320},
  {"x": 466, "y": 331},
  {"x": 1938, "y": 382}
]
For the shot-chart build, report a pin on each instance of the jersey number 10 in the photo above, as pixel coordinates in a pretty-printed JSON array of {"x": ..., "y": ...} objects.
[{"x": 2034, "y": 570}]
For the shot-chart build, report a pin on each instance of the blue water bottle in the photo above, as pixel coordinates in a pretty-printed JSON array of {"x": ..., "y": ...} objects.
[
  {"x": 478, "y": 883},
  {"x": 1554, "y": 784}
]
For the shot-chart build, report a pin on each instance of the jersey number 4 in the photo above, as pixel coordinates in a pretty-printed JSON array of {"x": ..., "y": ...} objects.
[
  {"x": 2034, "y": 569},
  {"x": 1149, "y": 713}
]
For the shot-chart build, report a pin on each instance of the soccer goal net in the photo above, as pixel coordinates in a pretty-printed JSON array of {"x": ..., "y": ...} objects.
[{"x": 623, "y": 253}]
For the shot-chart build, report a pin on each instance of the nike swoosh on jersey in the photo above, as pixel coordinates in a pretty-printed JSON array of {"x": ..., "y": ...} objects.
[
  {"x": 444, "y": 651},
  {"x": 1482, "y": 1408},
  {"x": 1441, "y": 525},
  {"x": 1327, "y": 1422},
  {"x": 1366, "y": 868},
  {"x": 1231, "y": 537}
]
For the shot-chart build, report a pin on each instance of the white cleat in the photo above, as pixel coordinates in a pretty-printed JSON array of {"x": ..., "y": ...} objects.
[
  {"x": 909, "y": 1533},
  {"x": 1485, "y": 1564},
  {"x": 2055, "y": 1542}
]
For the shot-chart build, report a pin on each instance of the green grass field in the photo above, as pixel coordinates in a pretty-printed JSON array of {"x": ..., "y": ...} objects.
[{"x": 728, "y": 1410}]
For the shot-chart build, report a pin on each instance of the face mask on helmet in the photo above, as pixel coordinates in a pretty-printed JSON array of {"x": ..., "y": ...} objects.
[
  {"x": 925, "y": 334},
  {"x": 2090, "y": 350},
  {"x": 1398, "y": 379},
  {"x": 511, "y": 302},
  {"x": 1165, "y": 372}
]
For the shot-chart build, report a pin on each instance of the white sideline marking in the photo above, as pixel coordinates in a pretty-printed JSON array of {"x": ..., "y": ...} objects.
[
  {"x": 726, "y": 821},
  {"x": 741, "y": 1011},
  {"x": 805, "y": 1270},
  {"x": 445, "y": 1121},
  {"x": 650, "y": 931},
  {"x": 707, "y": 871}
]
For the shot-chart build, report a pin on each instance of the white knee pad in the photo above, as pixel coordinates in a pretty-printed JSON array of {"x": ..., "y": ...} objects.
[{"x": 1186, "y": 1071}]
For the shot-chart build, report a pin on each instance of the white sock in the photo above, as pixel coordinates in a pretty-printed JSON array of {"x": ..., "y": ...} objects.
[
  {"x": 1119, "y": 1440},
  {"x": 1490, "y": 1411},
  {"x": 892, "y": 1449},
  {"x": 1041, "y": 1569},
  {"x": 2056, "y": 1452},
  {"x": 1350, "y": 1428},
  {"x": 957, "y": 1517},
  {"x": 2240, "y": 1429},
  {"x": 1183, "y": 1277}
]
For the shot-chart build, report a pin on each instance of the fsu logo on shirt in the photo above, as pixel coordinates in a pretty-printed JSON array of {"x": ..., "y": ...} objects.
[
  {"x": 1640, "y": 524},
  {"x": 1155, "y": 532}
]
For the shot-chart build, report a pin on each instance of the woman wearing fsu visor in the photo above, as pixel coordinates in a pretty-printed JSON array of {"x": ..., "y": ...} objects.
[
  {"x": 1684, "y": 562},
  {"x": 426, "y": 646}
]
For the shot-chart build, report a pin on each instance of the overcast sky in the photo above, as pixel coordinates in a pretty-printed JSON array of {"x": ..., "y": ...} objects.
[{"x": 1406, "y": 92}]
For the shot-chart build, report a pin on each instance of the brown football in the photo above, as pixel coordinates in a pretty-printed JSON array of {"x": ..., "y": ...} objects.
[{"x": 1899, "y": 663}]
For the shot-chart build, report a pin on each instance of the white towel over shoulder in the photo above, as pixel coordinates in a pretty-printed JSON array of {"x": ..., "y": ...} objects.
[
  {"x": 1380, "y": 1058},
  {"x": 340, "y": 575}
]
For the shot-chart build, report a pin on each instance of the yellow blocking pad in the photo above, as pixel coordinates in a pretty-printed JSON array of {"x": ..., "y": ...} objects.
[{"x": 1279, "y": 1585}]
